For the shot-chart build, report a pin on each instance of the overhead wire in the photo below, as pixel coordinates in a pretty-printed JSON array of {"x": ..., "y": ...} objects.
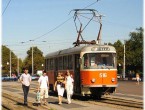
[
  {"x": 53, "y": 28},
  {"x": 6, "y": 7},
  {"x": 60, "y": 24},
  {"x": 91, "y": 4}
]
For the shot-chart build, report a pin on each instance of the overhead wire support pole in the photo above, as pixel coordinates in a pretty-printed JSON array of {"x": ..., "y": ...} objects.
[
  {"x": 124, "y": 62},
  {"x": 32, "y": 59},
  {"x": 32, "y": 62},
  {"x": 18, "y": 65},
  {"x": 10, "y": 63}
]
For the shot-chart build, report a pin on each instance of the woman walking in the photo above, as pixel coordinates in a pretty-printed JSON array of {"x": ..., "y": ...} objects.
[
  {"x": 59, "y": 84},
  {"x": 69, "y": 86},
  {"x": 137, "y": 78}
]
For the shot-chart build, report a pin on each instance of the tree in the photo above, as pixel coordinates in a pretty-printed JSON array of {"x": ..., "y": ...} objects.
[
  {"x": 38, "y": 60},
  {"x": 6, "y": 61},
  {"x": 119, "y": 50},
  {"x": 134, "y": 49}
]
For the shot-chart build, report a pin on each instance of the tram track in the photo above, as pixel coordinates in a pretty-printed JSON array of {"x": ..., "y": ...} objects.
[
  {"x": 10, "y": 102},
  {"x": 109, "y": 100},
  {"x": 119, "y": 102}
]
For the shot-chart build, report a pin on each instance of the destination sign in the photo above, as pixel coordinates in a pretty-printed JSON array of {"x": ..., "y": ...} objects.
[{"x": 100, "y": 49}]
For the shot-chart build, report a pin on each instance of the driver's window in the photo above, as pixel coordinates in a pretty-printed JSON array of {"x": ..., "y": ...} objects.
[{"x": 86, "y": 61}]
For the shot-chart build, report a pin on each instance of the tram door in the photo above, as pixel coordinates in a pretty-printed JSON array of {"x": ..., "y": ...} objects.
[{"x": 77, "y": 87}]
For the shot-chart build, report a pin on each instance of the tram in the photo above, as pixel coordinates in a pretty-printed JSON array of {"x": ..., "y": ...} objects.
[{"x": 93, "y": 67}]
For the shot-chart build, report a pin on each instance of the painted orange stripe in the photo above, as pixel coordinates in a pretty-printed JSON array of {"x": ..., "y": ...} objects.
[{"x": 106, "y": 79}]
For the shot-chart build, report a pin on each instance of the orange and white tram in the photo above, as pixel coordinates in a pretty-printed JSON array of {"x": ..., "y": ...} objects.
[{"x": 93, "y": 68}]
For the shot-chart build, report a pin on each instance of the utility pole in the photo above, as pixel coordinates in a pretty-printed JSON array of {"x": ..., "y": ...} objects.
[
  {"x": 32, "y": 58},
  {"x": 124, "y": 62},
  {"x": 18, "y": 65},
  {"x": 10, "y": 64},
  {"x": 32, "y": 62}
]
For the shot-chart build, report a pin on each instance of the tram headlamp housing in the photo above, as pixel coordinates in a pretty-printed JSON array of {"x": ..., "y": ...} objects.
[
  {"x": 93, "y": 80},
  {"x": 113, "y": 79}
]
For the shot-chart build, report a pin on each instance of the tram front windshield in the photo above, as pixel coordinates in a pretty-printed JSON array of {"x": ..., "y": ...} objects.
[{"x": 99, "y": 61}]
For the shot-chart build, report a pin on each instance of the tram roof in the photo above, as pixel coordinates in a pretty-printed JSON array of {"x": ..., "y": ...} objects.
[
  {"x": 75, "y": 50},
  {"x": 65, "y": 51}
]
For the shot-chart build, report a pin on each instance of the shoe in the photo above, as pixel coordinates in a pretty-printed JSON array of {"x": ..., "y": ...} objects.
[
  {"x": 45, "y": 103},
  {"x": 69, "y": 102},
  {"x": 25, "y": 104},
  {"x": 59, "y": 103}
]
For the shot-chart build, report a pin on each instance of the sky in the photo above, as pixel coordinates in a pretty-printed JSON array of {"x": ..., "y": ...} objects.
[{"x": 49, "y": 24}]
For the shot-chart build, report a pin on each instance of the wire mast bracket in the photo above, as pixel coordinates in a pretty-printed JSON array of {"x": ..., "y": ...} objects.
[{"x": 81, "y": 12}]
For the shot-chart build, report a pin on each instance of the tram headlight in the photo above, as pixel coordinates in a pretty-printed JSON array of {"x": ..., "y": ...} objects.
[
  {"x": 113, "y": 80},
  {"x": 93, "y": 80}
]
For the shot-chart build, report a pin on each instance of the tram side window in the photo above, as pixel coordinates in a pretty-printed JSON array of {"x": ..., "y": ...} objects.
[
  {"x": 51, "y": 64},
  {"x": 46, "y": 65},
  {"x": 64, "y": 62},
  {"x": 70, "y": 62},
  {"x": 60, "y": 63}
]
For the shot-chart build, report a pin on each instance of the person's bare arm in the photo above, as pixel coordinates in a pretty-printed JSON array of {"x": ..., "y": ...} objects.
[
  {"x": 20, "y": 79},
  {"x": 55, "y": 85},
  {"x": 48, "y": 83},
  {"x": 39, "y": 83}
]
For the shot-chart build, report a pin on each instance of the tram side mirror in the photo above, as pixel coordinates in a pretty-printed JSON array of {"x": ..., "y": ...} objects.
[{"x": 80, "y": 61}]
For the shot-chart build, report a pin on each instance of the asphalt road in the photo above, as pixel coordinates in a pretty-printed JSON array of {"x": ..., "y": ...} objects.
[
  {"x": 127, "y": 89},
  {"x": 130, "y": 87}
]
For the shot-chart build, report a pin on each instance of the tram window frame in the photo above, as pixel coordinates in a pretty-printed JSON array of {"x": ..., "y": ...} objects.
[
  {"x": 65, "y": 62},
  {"x": 60, "y": 63},
  {"x": 70, "y": 62},
  {"x": 46, "y": 65},
  {"x": 51, "y": 64},
  {"x": 114, "y": 59}
]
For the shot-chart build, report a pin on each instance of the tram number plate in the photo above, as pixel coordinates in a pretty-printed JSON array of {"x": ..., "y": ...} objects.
[{"x": 103, "y": 75}]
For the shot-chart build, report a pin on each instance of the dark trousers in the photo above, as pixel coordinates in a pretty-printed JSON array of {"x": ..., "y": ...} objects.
[{"x": 25, "y": 91}]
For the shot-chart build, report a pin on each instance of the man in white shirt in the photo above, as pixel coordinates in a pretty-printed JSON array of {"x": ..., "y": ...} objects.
[
  {"x": 25, "y": 79},
  {"x": 44, "y": 86}
]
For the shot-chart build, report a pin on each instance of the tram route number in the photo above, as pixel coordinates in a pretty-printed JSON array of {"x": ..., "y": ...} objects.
[{"x": 103, "y": 75}]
